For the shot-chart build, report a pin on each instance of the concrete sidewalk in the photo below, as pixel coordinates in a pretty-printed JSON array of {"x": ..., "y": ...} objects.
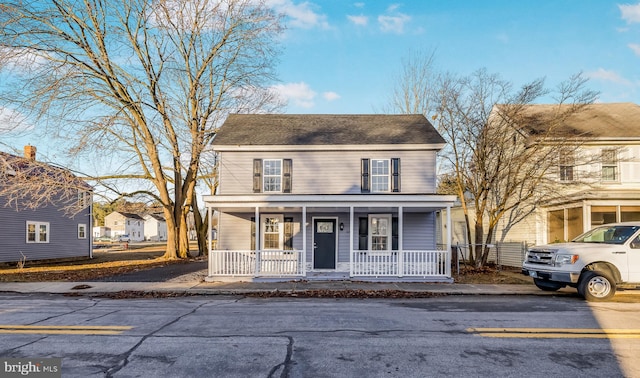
[{"x": 240, "y": 288}]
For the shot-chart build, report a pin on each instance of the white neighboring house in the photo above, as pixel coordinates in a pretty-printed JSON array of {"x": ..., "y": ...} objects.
[
  {"x": 155, "y": 227},
  {"x": 611, "y": 145},
  {"x": 101, "y": 232},
  {"x": 125, "y": 224}
]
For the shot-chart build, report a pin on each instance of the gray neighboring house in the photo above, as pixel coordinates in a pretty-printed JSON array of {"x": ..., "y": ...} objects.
[
  {"x": 46, "y": 232},
  {"x": 328, "y": 196}
]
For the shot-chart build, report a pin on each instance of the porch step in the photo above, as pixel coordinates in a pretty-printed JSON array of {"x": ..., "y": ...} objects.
[{"x": 327, "y": 276}]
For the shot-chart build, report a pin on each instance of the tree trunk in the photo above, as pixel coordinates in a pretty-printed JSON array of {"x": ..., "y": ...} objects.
[{"x": 202, "y": 226}]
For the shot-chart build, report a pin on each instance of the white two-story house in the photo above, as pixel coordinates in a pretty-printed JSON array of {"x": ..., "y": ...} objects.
[
  {"x": 329, "y": 196},
  {"x": 597, "y": 179},
  {"x": 125, "y": 224}
]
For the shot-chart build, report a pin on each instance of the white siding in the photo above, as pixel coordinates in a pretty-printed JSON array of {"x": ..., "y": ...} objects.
[{"x": 328, "y": 172}]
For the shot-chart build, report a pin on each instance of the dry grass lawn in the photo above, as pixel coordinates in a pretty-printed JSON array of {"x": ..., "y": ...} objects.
[{"x": 104, "y": 263}]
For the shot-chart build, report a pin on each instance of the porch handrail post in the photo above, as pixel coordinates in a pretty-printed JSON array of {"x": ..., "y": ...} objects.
[
  {"x": 400, "y": 246},
  {"x": 303, "y": 224},
  {"x": 448, "y": 265},
  {"x": 350, "y": 241}
]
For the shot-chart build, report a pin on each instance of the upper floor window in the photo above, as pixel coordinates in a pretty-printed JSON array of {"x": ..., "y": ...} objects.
[
  {"x": 82, "y": 231},
  {"x": 380, "y": 175},
  {"x": 272, "y": 175},
  {"x": 609, "y": 165},
  {"x": 566, "y": 163},
  {"x": 37, "y": 232}
]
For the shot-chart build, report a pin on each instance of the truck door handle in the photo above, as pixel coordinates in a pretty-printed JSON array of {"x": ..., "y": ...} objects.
[{"x": 619, "y": 253}]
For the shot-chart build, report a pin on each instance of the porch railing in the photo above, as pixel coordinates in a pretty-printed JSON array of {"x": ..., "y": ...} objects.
[
  {"x": 400, "y": 263},
  {"x": 275, "y": 263}
]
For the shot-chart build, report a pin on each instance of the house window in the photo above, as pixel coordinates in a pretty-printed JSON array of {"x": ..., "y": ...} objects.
[
  {"x": 37, "y": 232},
  {"x": 272, "y": 175},
  {"x": 380, "y": 232},
  {"x": 566, "y": 164},
  {"x": 272, "y": 232},
  {"x": 609, "y": 165},
  {"x": 380, "y": 175},
  {"x": 83, "y": 198},
  {"x": 82, "y": 231}
]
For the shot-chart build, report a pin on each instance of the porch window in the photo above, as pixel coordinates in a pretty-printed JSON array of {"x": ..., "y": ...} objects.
[
  {"x": 272, "y": 232},
  {"x": 37, "y": 232},
  {"x": 380, "y": 232},
  {"x": 287, "y": 228},
  {"x": 272, "y": 175},
  {"x": 609, "y": 165}
]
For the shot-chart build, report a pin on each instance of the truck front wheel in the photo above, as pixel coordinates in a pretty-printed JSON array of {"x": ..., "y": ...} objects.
[
  {"x": 596, "y": 286},
  {"x": 547, "y": 285}
]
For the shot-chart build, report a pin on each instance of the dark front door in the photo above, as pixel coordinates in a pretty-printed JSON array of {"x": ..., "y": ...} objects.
[{"x": 324, "y": 244}]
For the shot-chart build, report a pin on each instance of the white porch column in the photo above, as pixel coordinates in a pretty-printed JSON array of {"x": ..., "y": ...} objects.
[
  {"x": 303, "y": 224},
  {"x": 400, "y": 246},
  {"x": 449, "y": 241},
  {"x": 210, "y": 237},
  {"x": 258, "y": 241},
  {"x": 351, "y": 241}
]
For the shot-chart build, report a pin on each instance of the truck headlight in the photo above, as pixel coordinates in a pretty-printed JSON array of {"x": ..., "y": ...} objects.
[{"x": 566, "y": 259}]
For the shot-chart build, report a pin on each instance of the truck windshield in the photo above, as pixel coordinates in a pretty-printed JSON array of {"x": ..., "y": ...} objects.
[{"x": 607, "y": 235}]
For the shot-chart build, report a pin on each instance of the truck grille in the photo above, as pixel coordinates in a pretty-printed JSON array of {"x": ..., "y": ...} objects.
[{"x": 540, "y": 256}]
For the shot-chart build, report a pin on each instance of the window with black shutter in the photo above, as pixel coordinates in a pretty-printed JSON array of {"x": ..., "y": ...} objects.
[
  {"x": 287, "y": 167},
  {"x": 288, "y": 234},
  {"x": 257, "y": 175},
  {"x": 395, "y": 175},
  {"x": 364, "y": 176},
  {"x": 363, "y": 233},
  {"x": 253, "y": 233}
]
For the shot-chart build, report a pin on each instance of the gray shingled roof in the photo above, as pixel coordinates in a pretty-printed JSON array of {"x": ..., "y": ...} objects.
[
  {"x": 614, "y": 120},
  {"x": 325, "y": 129}
]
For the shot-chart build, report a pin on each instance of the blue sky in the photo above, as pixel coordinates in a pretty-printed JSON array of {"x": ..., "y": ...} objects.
[{"x": 343, "y": 56}]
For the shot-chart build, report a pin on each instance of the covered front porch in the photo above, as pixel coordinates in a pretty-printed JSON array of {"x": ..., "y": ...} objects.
[{"x": 365, "y": 237}]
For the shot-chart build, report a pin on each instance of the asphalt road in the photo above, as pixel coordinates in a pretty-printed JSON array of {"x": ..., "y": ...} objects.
[{"x": 468, "y": 336}]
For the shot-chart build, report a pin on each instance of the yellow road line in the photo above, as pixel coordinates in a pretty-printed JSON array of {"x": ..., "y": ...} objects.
[
  {"x": 16, "y": 326},
  {"x": 62, "y": 329},
  {"x": 558, "y": 333}
]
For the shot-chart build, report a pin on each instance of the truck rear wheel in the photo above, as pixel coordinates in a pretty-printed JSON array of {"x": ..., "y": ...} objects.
[
  {"x": 547, "y": 285},
  {"x": 596, "y": 286}
]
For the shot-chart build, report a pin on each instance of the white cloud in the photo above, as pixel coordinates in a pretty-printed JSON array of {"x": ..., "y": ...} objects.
[
  {"x": 359, "y": 20},
  {"x": 330, "y": 96},
  {"x": 635, "y": 47},
  {"x": 393, "y": 7},
  {"x": 12, "y": 120},
  {"x": 302, "y": 15},
  {"x": 393, "y": 24},
  {"x": 299, "y": 93},
  {"x": 630, "y": 13},
  {"x": 606, "y": 75},
  {"x": 358, "y": 5}
]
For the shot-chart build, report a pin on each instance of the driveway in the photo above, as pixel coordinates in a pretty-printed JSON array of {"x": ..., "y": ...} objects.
[{"x": 190, "y": 271}]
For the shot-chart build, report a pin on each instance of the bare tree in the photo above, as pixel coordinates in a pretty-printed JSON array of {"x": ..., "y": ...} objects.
[
  {"x": 142, "y": 85},
  {"x": 500, "y": 153}
]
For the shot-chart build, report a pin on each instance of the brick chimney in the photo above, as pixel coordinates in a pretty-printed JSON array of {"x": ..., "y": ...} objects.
[{"x": 30, "y": 152}]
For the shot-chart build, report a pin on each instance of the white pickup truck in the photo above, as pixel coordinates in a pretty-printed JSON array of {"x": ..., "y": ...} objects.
[{"x": 596, "y": 262}]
